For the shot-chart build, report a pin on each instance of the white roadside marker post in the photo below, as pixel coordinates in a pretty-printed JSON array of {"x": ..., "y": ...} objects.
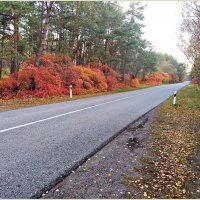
[
  {"x": 174, "y": 99},
  {"x": 70, "y": 91}
]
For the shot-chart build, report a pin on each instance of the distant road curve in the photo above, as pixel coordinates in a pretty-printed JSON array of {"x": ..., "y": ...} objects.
[{"x": 41, "y": 143}]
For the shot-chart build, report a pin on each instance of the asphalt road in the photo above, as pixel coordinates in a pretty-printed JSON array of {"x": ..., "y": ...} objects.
[{"x": 40, "y": 144}]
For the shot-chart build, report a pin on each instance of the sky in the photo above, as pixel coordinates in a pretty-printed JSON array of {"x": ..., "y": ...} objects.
[{"x": 162, "y": 26}]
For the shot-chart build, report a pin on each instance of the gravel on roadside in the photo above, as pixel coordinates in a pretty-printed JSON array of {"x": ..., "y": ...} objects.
[{"x": 102, "y": 175}]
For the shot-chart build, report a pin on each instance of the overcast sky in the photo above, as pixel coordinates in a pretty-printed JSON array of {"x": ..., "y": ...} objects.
[{"x": 162, "y": 26}]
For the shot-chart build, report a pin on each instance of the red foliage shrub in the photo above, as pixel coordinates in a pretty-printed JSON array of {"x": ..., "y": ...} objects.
[
  {"x": 127, "y": 79},
  {"x": 194, "y": 81},
  {"x": 174, "y": 78},
  {"x": 156, "y": 79},
  {"x": 57, "y": 64},
  {"x": 112, "y": 78},
  {"x": 113, "y": 83},
  {"x": 45, "y": 84},
  {"x": 135, "y": 83},
  {"x": 55, "y": 75},
  {"x": 50, "y": 60}
]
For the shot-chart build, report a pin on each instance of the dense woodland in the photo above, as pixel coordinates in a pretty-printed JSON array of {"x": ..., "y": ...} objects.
[{"x": 95, "y": 46}]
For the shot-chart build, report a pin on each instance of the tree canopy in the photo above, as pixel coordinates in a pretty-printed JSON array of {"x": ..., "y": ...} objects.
[
  {"x": 190, "y": 36},
  {"x": 86, "y": 31}
]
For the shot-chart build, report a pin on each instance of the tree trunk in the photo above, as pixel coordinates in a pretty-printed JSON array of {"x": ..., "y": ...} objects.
[
  {"x": 52, "y": 43},
  {"x": 124, "y": 65},
  {"x": 60, "y": 33},
  {"x": 1, "y": 60},
  {"x": 144, "y": 73},
  {"x": 79, "y": 50},
  {"x": 14, "y": 66},
  {"x": 124, "y": 69},
  {"x": 137, "y": 69},
  {"x": 2, "y": 46},
  {"x": 74, "y": 40},
  {"x": 136, "y": 73},
  {"x": 197, "y": 72},
  {"x": 1, "y": 66},
  {"x": 43, "y": 34},
  {"x": 60, "y": 42},
  {"x": 106, "y": 46}
]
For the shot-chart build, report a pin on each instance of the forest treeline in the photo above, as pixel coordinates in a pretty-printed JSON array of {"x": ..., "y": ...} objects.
[
  {"x": 92, "y": 34},
  {"x": 190, "y": 36}
]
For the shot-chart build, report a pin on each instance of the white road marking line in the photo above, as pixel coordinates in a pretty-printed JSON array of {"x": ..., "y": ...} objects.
[{"x": 68, "y": 113}]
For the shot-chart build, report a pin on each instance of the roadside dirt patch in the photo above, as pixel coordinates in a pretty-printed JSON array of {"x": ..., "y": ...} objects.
[
  {"x": 170, "y": 171},
  {"x": 102, "y": 175},
  {"x": 134, "y": 143}
]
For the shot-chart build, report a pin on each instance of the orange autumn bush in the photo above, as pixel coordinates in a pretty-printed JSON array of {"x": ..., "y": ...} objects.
[
  {"x": 135, "y": 83},
  {"x": 156, "y": 79},
  {"x": 7, "y": 87},
  {"x": 89, "y": 80},
  {"x": 112, "y": 78}
]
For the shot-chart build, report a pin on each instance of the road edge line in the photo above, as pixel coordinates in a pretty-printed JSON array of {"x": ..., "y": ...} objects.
[{"x": 98, "y": 148}]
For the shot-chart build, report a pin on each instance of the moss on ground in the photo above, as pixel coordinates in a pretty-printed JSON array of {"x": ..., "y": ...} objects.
[{"x": 170, "y": 170}]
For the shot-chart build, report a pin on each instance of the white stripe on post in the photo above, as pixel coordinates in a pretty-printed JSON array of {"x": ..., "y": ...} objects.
[
  {"x": 70, "y": 91},
  {"x": 174, "y": 99}
]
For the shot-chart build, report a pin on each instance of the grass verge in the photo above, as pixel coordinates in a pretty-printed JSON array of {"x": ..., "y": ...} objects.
[
  {"x": 28, "y": 102},
  {"x": 170, "y": 170}
]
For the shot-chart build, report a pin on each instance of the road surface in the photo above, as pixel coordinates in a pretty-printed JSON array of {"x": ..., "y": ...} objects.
[{"x": 40, "y": 144}]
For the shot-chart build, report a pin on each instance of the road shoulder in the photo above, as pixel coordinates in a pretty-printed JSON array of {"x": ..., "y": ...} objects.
[
  {"x": 155, "y": 157},
  {"x": 102, "y": 175}
]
